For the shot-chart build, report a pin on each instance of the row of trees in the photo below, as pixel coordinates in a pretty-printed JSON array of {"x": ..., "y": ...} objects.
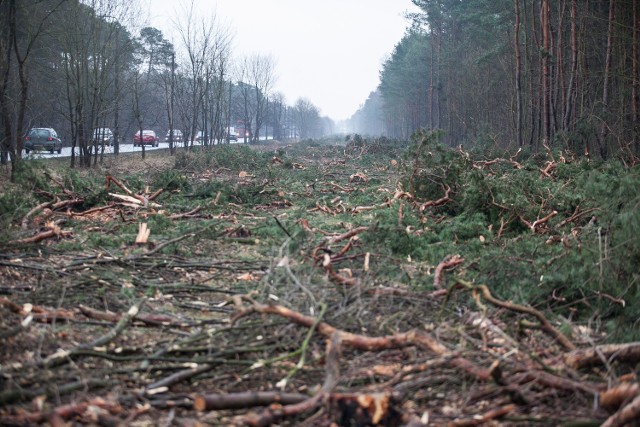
[
  {"x": 515, "y": 73},
  {"x": 78, "y": 65}
]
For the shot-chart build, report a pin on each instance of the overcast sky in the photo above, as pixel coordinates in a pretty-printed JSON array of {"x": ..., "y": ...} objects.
[{"x": 328, "y": 51}]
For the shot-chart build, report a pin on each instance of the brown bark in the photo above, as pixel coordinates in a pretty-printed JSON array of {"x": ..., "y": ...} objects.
[
  {"x": 516, "y": 43},
  {"x": 544, "y": 323},
  {"x": 149, "y": 320},
  {"x": 216, "y": 401},
  {"x": 448, "y": 262},
  {"x": 625, "y": 415},
  {"x": 602, "y": 141},
  {"x": 603, "y": 354},
  {"x": 546, "y": 70},
  {"x": 361, "y": 342},
  {"x": 635, "y": 85},
  {"x": 615, "y": 397},
  {"x": 439, "y": 202},
  {"x": 484, "y": 418},
  {"x": 571, "y": 87}
]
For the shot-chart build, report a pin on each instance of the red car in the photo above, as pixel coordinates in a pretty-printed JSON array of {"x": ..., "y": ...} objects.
[{"x": 149, "y": 137}]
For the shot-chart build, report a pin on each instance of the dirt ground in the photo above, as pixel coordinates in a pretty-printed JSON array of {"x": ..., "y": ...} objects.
[{"x": 228, "y": 315}]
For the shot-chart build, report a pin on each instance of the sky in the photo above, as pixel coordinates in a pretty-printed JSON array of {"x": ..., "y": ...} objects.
[{"x": 327, "y": 51}]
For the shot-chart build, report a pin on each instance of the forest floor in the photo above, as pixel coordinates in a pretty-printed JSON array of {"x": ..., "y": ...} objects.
[{"x": 305, "y": 284}]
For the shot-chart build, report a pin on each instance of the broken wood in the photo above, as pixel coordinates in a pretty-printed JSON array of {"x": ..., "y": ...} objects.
[
  {"x": 627, "y": 414},
  {"x": 449, "y": 262},
  {"x": 603, "y": 354},
  {"x": 52, "y": 231},
  {"x": 613, "y": 398},
  {"x": 435, "y": 203},
  {"x": 544, "y": 323},
  {"x": 216, "y": 401}
]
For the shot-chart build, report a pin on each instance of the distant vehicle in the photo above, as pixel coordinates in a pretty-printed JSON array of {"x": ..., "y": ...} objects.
[
  {"x": 42, "y": 139},
  {"x": 177, "y": 136},
  {"x": 149, "y": 137},
  {"x": 232, "y": 135},
  {"x": 102, "y": 136},
  {"x": 244, "y": 133},
  {"x": 200, "y": 137}
]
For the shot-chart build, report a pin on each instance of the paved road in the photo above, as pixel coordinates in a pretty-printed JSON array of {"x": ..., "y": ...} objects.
[{"x": 124, "y": 148}]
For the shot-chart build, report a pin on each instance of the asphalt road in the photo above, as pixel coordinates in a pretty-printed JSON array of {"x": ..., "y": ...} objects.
[{"x": 124, "y": 148}]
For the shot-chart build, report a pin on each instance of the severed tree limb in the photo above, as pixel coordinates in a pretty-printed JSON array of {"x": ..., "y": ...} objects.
[
  {"x": 547, "y": 170},
  {"x": 615, "y": 397},
  {"x": 438, "y": 202},
  {"x": 361, "y": 342},
  {"x": 450, "y": 261},
  {"x": 132, "y": 197},
  {"x": 556, "y": 382},
  {"x": 164, "y": 383},
  {"x": 162, "y": 245},
  {"x": 185, "y": 214},
  {"x": 66, "y": 411},
  {"x": 598, "y": 355},
  {"x": 92, "y": 210},
  {"x": 52, "y": 231},
  {"x": 21, "y": 394},
  {"x": 147, "y": 319},
  {"x": 544, "y": 323},
  {"x": 25, "y": 221},
  {"x": 38, "y": 313},
  {"x": 332, "y": 375},
  {"x": 216, "y": 401},
  {"x": 533, "y": 226},
  {"x": 63, "y": 356},
  {"x": 576, "y": 215},
  {"x": 626, "y": 415},
  {"x": 484, "y": 418},
  {"x": 346, "y": 235}
]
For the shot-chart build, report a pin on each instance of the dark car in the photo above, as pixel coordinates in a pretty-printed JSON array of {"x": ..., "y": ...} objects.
[
  {"x": 102, "y": 136},
  {"x": 177, "y": 136},
  {"x": 148, "y": 138},
  {"x": 39, "y": 139}
]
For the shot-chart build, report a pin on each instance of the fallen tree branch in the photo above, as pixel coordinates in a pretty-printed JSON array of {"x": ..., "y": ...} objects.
[
  {"x": 602, "y": 354},
  {"x": 626, "y": 414},
  {"x": 615, "y": 397},
  {"x": 25, "y": 220},
  {"x": 52, "y": 231},
  {"x": 217, "y": 401},
  {"x": 544, "y": 323},
  {"x": 361, "y": 342},
  {"x": 439, "y": 202},
  {"x": 332, "y": 375},
  {"x": 449, "y": 262},
  {"x": 65, "y": 411},
  {"x": 38, "y": 313},
  {"x": 485, "y": 418},
  {"x": 147, "y": 319},
  {"x": 62, "y": 356}
]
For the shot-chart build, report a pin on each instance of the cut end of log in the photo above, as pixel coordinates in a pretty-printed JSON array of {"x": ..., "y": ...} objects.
[{"x": 200, "y": 403}]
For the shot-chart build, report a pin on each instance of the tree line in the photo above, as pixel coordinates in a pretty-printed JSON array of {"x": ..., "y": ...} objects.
[
  {"x": 81, "y": 65},
  {"x": 515, "y": 73}
]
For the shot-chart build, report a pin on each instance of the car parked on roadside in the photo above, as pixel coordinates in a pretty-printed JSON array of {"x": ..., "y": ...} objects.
[
  {"x": 42, "y": 139},
  {"x": 149, "y": 137},
  {"x": 200, "y": 137},
  {"x": 177, "y": 136},
  {"x": 102, "y": 136}
]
